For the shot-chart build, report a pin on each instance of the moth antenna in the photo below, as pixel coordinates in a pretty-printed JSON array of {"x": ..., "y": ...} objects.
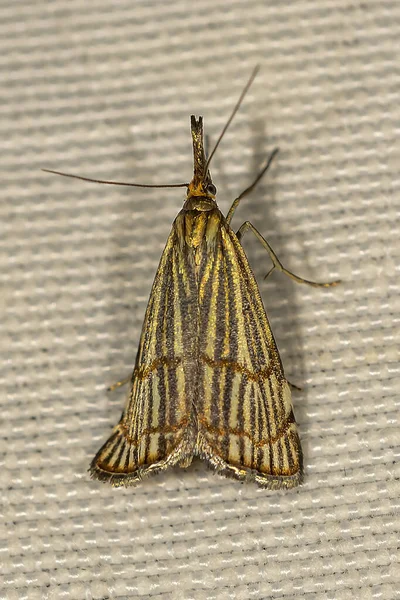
[
  {"x": 234, "y": 111},
  {"x": 141, "y": 185}
]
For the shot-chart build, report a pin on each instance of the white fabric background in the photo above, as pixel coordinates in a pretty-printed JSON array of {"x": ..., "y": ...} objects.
[{"x": 105, "y": 89}]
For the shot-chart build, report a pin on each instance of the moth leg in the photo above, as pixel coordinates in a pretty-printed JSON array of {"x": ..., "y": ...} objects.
[
  {"x": 277, "y": 263},
  {"x": 294, "y": 387},
  {"x": 269, "y": 272},
  {"x": 120, "y": 383},
  {"x": 247, "y": 191}
]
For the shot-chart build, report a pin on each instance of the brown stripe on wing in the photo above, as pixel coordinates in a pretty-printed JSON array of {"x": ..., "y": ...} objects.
[
  {"x": 233, "y": 379},
  {"x": 208, "y": 283},
  {"x": 158, "y": 408}
]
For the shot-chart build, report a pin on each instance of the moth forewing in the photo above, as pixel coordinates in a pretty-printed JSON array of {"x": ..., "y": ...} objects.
[
  {"x": 245, "y": 417},
  {"x": 157, "y": 428}
]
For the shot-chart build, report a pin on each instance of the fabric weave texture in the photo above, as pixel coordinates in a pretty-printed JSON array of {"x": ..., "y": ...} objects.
[{"x": 106, "y": 89}]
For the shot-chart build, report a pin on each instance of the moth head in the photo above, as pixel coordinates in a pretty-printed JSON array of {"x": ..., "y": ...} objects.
[{"x": 201, "y": 184}]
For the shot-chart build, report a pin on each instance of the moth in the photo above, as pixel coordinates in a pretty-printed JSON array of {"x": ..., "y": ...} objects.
[{"x": 208, "y": 380}]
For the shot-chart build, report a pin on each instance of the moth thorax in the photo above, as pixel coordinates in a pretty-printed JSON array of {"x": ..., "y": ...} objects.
[{"x": 201, "y": 227}]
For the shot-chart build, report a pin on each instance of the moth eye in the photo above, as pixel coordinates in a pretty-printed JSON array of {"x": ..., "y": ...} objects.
[{"x": 211, "y": 189}]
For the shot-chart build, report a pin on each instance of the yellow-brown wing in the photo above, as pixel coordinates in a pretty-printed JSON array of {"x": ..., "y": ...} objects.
[
  {"x": 246, "y": 424},
  {"x": 157, "y": 427}
]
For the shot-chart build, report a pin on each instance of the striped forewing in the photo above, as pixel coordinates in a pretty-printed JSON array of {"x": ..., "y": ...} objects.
[
  {"x": 245, "y": 417},
  {"x": 157, "y": 429},
  {"x": 208, "y": 379}
]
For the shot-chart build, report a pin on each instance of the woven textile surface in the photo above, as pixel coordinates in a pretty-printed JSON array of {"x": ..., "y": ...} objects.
[{"x": 105, "y": 89}]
